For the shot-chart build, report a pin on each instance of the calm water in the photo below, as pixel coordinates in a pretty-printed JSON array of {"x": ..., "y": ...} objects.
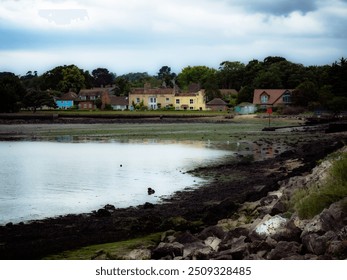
[{"x": 45, "y": 179}]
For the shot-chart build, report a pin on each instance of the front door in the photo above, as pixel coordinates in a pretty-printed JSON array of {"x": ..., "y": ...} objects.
[{"x": 152, "y": 103}]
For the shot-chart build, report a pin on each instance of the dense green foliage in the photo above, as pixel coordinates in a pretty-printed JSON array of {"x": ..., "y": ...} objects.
[
  {"x": 315, "y": 87},
  {"x": 35, "y": 99},
  {"x": 11, "y": 93}
]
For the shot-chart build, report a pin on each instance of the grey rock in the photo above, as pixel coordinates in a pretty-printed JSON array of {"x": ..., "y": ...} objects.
[
  {"x": 139, "y": 254},
  {"x": 284, "y": 249},
  {"x": 213, "y": 242},
  {"x": 186, "y": 237},
  {"x": 215, "y": 231},
  {"x": 168, "y": 249},
  {"x": 337, "y": 249}
]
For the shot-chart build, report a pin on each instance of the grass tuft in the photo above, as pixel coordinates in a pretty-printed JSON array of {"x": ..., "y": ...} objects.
[{"x": 311, "y": 201}]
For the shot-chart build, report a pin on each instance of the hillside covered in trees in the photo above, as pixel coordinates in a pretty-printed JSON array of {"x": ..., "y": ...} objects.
[{"x": 323, "y": 87}]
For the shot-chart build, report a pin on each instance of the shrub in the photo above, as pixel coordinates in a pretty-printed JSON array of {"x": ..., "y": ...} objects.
[
  {"x": 311, "y": 201},
  {"x": 292, "y": 110}
]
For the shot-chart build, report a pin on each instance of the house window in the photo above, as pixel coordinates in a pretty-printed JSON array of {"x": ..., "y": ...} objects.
[
  {"x": 191, "y": 108},
  {"x": 152, "y": 100},
  {"x": 264, "y": 98},
  {"x": 287, "y": 98},
  {"x": 83, "y": 97},
  {"x": 92, "y": 98},
  {"x": 177, "y": 101},
  {"x": 137, "y": 100},
  {"x": 167, "y": 99},
  {"x": 85, "y": 106},
  {"x": 191, "y": 101}
]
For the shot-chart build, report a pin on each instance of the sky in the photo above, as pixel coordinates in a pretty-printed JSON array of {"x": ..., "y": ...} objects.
[{"x": 144, "y": 35}]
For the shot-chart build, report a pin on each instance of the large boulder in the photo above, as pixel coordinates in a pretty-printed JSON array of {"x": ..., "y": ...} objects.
[
  {"x": 215, "y": 231},
  {"x": 197, "y": 251},
  {"x": 288, "y": 232},
  {"x": 285, "y": 249},
  {"x": 337, "y": 249},
  {"x": 186, "y": 237},
  {"x": 165, "y": 250},
  {"x": 268, "y": 226},
  {"x": 139, "y": 254},
  {"x": 238, "y": 249},
  {"x": 317, "y": 244},
  {"x": 333, "y": 219}
]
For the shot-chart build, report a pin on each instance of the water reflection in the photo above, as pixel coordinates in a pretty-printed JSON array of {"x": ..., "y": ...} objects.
[{"x": 69, "y": 175}]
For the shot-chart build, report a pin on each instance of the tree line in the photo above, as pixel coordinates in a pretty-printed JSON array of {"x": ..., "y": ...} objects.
[{"x": 314, "y": 86}]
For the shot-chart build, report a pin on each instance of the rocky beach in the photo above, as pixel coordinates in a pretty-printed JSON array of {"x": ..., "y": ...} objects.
[{"x": 241, "y": 213}]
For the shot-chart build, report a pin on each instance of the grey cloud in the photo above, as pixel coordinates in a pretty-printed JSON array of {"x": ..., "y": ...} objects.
[
  {"x": 276, "y": 7},
  {"x": 63, "y": 16}
]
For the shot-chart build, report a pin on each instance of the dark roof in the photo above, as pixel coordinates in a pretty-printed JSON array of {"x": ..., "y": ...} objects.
[
  {"x": 186, "y": 94},
  {"x": 152, "y": 91},
  {"x": 217, "y": 102},
  {"x": 93, "y": 91},
  {"x": 119, "y": 100},
  {"x": 225, "y": 91},
  {"x": 68, "y": 96}
]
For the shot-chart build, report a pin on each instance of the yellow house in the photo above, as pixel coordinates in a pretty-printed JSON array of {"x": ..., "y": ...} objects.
[
  {"x": 157, "y": 98},
  {"x": 190, "y": 101},
  {"x": 152, "y": 98}
]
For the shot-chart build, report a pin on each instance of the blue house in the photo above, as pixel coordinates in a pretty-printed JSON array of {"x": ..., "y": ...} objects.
[
  {"x": 245, "y": 108},
  {"x": 67, "y": 100}
]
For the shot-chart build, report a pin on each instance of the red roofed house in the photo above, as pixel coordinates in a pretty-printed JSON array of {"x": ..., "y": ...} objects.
[
  {"x": 272, "y": 97},
  {"x": 88, "y": 98}
]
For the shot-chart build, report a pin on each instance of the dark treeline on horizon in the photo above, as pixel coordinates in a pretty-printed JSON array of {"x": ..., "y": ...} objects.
[{"x": 314, "y": 86}]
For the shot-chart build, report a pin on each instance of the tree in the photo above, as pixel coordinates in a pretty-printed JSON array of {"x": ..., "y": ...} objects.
[
  {"x": 31, "y": 80},
  {"x": 166, "y": 77},
  {"x": 337, "y": 104},
  {"x": 122, "y": 87},
  {"x": 245, "y": 94},
  {"x": 102, "y": 77},
  {"x": 98, "y": 103},
  {"x": 325, "y": 95},
  {"x": 269, "y": 79},
  {"x": 11, "y": 92},
  {"x": 211, "y": 87},
  {"x": 72, "y": 79},
  {"x": 196, "y": 74},
  {"x": 88, "y": 79},
  {"x": 305, "y": 93},
  {"x": 231, "y": 75},
  {"x": 64, "y": 78},
  {"x": 338, "y": 77},
  {"x": 268, "y": 61},
  {"x": 35, "y": 99},
  {"x": 138, "y": 79}
]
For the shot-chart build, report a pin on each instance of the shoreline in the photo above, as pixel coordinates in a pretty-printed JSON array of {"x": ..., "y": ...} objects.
[{"x": 191, "y": 210}]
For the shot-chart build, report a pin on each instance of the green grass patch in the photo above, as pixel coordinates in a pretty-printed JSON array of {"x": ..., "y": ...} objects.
[
  {"x": 114, "y": 250},
  {"x": 126, "y": 113},
  {"x": 311, "y": 201}
]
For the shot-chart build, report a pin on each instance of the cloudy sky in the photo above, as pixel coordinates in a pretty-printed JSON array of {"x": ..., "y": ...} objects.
[{"x": 143, "y": 35}]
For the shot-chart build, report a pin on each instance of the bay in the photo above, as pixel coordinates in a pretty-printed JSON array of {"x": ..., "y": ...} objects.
[{"x": 41, "y": 179}]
